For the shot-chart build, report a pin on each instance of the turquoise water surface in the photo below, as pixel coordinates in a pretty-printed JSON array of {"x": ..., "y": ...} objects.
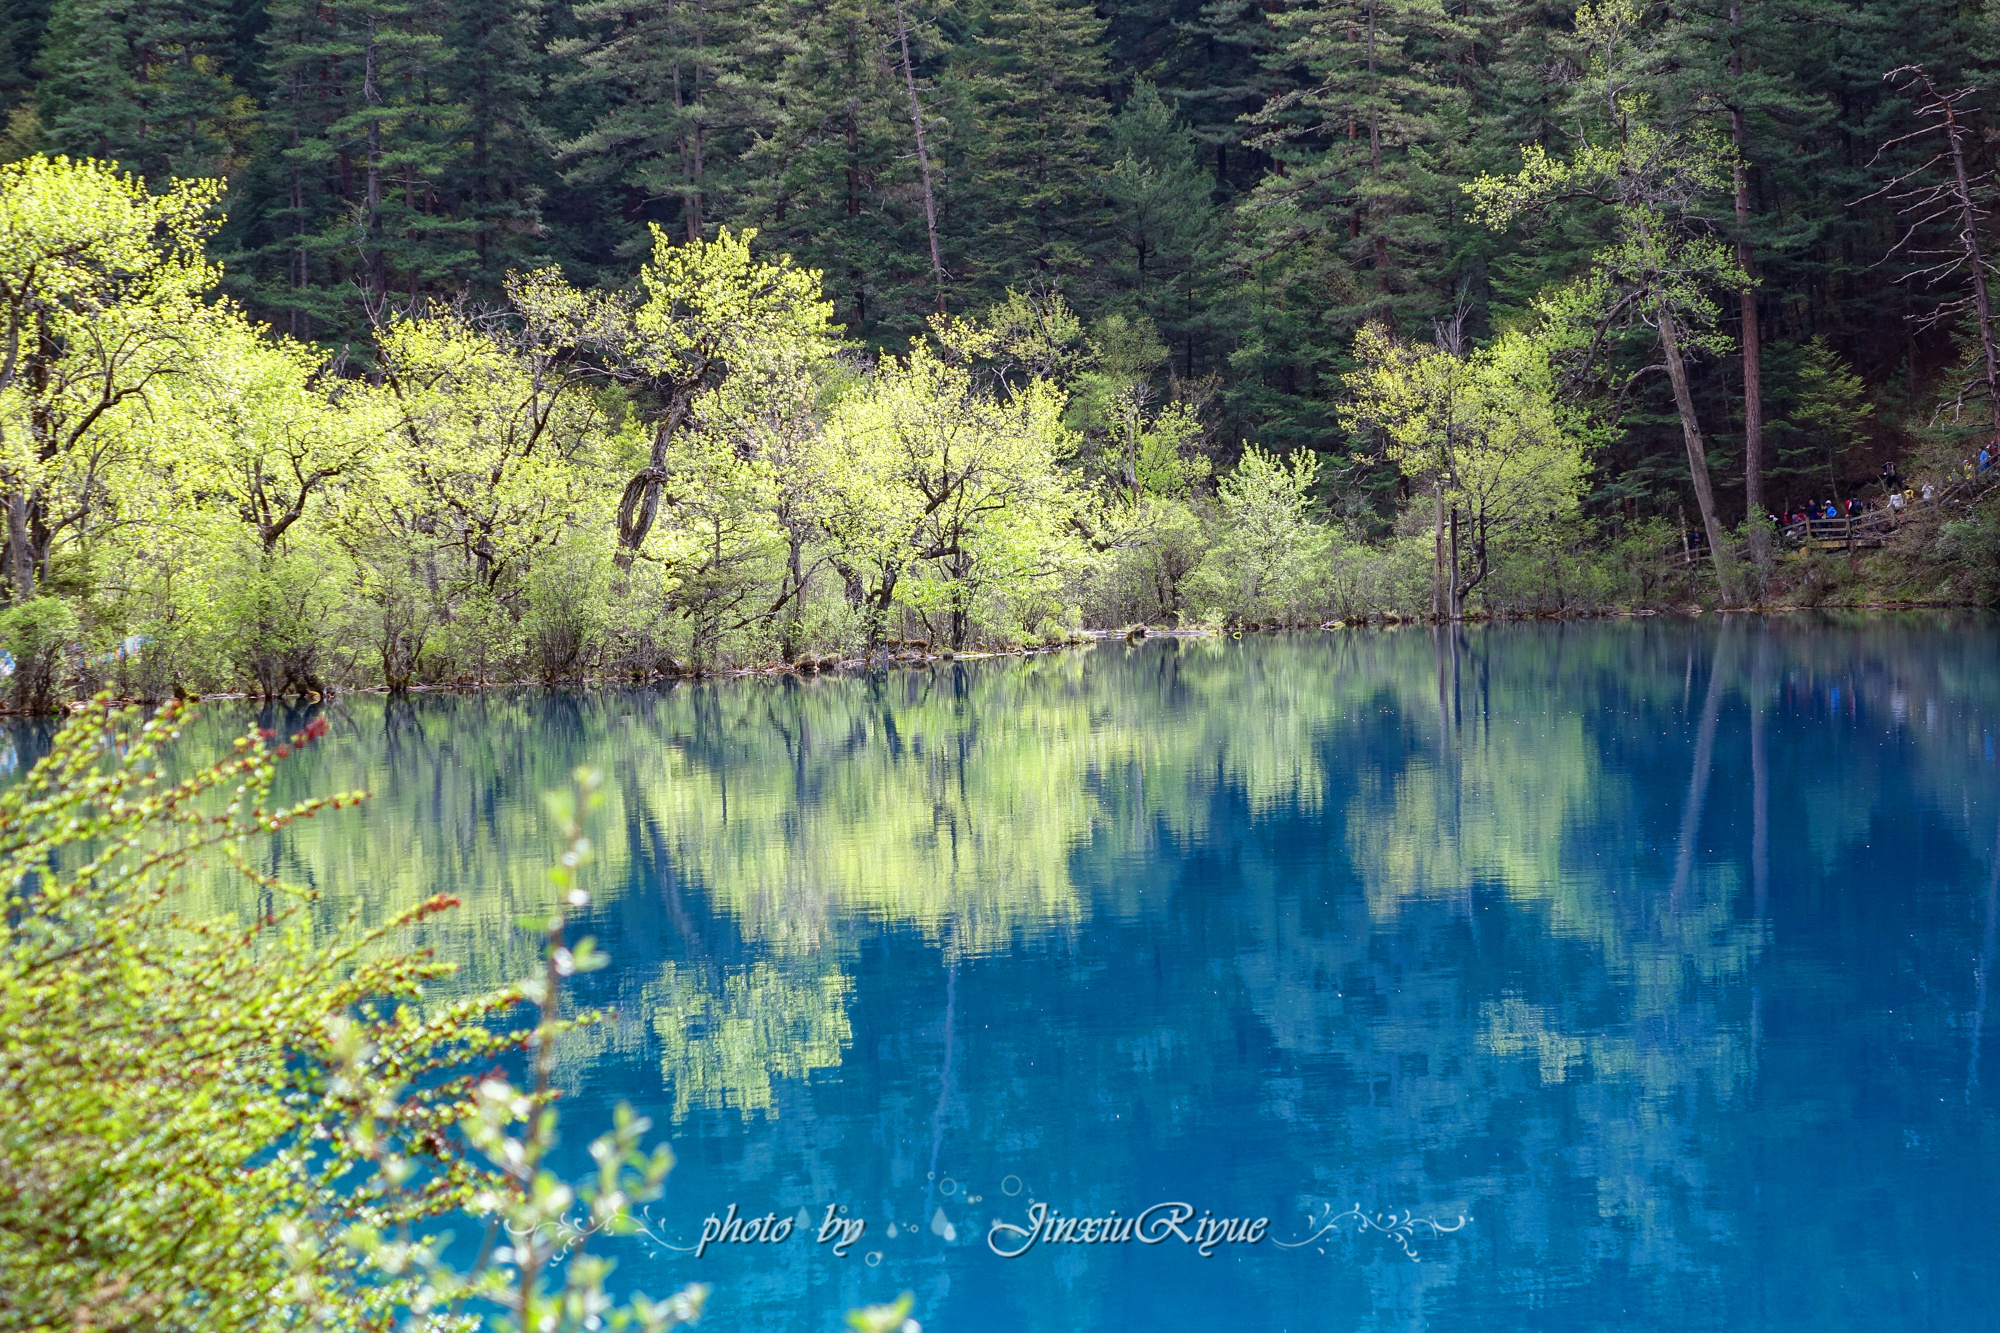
[{"x": 1610, "y": 976}]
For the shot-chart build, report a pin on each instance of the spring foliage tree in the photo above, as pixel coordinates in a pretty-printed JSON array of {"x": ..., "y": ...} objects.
[
  {"x": 658, "y": 476},
  {"x": 1648, "y": 175},
  {"x": 100, "y": 299},
  {"x": 1271, "y": 545},
  {"x": 1484, "y": 432},
  {"x": 101, "y": 286},
  {"x": 703, "y": 308},
  {"x": 950, "y": 498}
]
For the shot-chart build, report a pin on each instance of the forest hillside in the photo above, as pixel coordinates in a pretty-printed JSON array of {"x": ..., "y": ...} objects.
[{"x": 421, "y": 340}]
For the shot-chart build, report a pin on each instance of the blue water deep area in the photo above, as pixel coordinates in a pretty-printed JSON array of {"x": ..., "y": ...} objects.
[{"x": 1625, "y": 975}]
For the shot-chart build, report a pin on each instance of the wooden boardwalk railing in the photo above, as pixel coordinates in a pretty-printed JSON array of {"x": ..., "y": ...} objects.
[
  {"x": 1870, "y": 529},
  {"x": 1873, "y": 529}
]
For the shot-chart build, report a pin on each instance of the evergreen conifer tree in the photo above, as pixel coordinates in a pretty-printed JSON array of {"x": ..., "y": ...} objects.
[
  {"x": 836, "y": 183},
  {"x": 1356, "y": 143},
  {"x": 681, "y": 89},
  {"x": 22, "y": 27},
  {"x": 364, "y": 134},
  {"x": 1167, "y": 259},
  {"x": 91, "y": 102},
  {"x": 496, "y": 71},
  {"x": 143, "y": 83},
  {"x": 1028, "y": 203},
  {"x": 1232, "y": 75}
]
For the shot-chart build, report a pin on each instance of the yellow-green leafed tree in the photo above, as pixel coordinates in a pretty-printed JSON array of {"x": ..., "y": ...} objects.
[
  {"x": 1484, "y": 431},
  {"x": 499, "y": 459},
  {"x": 1649, "y": 168},
  {"x": 949, "y": 500},
  {"x": 1144, "y": 451},
  {"x": 742, "y": 538},
  {"x": 1268, "y": 552},
  {"x": 101, "y": 288},
  {"x": 704, "y": 310},
  {"x": 498, "y": 443},
  {"x": 257, "y": 428},
  {"x": 246, "y": 459},
  {"x": 101, "y": 298},
  {"x": 723, "y": 542}
]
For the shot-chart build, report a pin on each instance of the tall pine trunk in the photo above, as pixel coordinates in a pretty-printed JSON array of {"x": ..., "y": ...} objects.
[
  {"x": 695, "y": 201},
  {"x": 1375, "y": 162},
  {"x": 923, "y": 156},
  {"x": 853, "y": 212},
  {"x": 1753, "y": 370}
]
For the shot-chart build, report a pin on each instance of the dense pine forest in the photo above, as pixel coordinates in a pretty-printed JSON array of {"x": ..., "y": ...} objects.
[{"x": 400, "y": 341}]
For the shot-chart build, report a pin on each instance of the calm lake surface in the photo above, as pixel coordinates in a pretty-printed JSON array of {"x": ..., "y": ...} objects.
[{"x": 1648, "y": 960}]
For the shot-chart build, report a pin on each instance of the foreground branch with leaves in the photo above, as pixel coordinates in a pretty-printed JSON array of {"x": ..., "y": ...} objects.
[{"x": 228, "y": 1124}]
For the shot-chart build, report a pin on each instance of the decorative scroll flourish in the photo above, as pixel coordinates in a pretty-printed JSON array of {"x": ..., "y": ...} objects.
[
  {"x": 655, "y": 1241},
  {"x": 1403, "y": 1228}
]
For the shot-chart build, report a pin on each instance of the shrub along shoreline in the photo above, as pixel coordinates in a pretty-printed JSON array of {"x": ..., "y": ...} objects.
[{"x": 893, "y": 657}]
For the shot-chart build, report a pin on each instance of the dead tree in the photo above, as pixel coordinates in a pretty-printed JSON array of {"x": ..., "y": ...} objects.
[{"x": 1944, "y": 190}]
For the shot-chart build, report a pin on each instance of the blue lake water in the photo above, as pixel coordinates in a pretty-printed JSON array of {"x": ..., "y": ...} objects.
[{"x": 1610, "y": 976}]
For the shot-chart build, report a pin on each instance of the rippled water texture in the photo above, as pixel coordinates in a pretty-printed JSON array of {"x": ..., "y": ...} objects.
[{"x": 1656, "y": 952}]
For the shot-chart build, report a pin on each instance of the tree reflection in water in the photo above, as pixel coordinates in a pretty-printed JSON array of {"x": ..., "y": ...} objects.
[{"x": 1659, "y": 948}]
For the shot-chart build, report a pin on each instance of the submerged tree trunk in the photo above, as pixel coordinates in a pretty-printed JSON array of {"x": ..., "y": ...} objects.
[
  {"x": 1704, "y": 493},
  {"x": 1984, "y": 972},
  {"x": 1698, "y": 775},
  {"x": 1760, "y": 827},
  {"x": 1760, "y": 779}
]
